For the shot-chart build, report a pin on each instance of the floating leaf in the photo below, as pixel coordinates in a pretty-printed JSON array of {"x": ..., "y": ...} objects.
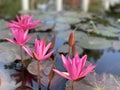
[
  {"x": 61, "y": 27},
  {"x": 64, "y": 35},
  {"x": 5, "y": 33},
  {"x": 66, "y": 19},
  {"x": 64, "y": 49},
  {"x": 47, "y": 25},
  {"x": 44, "y": 17},
  {"x": 3, "y": 24},
  {"x": 76, "y": 14},
  {"x": 96, "y": 82},
  {"x": 86, "y": 41},
  {"x": 9, "y": 50},
  {"x": 93, "y": 43},
  {"x": 108, "y": 32}
]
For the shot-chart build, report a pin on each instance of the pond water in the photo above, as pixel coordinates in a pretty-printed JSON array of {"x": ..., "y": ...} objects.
[
  {"x": 107, "y": 61},
  {"x": 102, "y": 48}
]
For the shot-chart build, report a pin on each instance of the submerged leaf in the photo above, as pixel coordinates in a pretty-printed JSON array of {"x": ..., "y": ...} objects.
[{"x": 45, "y": 67}]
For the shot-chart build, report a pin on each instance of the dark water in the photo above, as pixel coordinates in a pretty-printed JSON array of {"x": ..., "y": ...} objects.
[{"x": 107, "y": 61}]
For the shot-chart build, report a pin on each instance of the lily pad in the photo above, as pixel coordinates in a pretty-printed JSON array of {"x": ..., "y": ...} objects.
[
  {"x": 8, "y": 52},
  {"x": 67, "y": 19},
  {"x": 96, "y": 82},
  {"x": 46, "y": 25},
  {"x": 108, "y": 32},
  {"x": 50, "y": 13},
  {"x": 89, "y": 42},
  {"x": 61, "y": 27},
  {"x": 64, "y": 35},
  {"x": 109, "y": 28},
  {"x": 76, "y": 14},
  {"x": 5, "y": 34},
  {"x": 3, "y": 24},
  {"x": 46, "y": 17},
  {"x": 64, "y": 49},
  {"x": 93, "y": 42},
  {"x": 100, "y": 30},
  {"x": 79, "y": 34}
]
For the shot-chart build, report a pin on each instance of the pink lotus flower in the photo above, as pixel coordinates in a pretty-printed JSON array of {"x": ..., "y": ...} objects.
[
  {"x": 40, "y": 50},
  {"x": 75, "y": 68},
  {"x": 24, "y": 23},
  {"x": 20, "y": 37}
]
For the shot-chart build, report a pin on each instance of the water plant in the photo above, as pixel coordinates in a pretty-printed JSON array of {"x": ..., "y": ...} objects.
[
  {"x": 75, "y": 66},
  {"x": 24, "y": 22},
  {"x": 39, "y": 53},
  {"x": 20, "y": 31},
  {"x": 20, "y": 38}
]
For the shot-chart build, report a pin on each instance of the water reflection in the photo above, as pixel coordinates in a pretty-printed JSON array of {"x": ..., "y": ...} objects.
[
  {"x": 93, "y": 55},
  {"x": 108, "y": 61},
  {"x": 24, "y": 80}
]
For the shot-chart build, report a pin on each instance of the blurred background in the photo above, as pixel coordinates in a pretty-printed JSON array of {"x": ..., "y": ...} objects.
[
  {"x": 9, "y": 8},
  {"x": 97, "y": 24}
]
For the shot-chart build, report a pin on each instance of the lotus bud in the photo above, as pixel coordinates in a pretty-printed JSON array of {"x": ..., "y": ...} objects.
[
  {"x": 71, "y": 39},
  {"x": 73, "y": 50}
]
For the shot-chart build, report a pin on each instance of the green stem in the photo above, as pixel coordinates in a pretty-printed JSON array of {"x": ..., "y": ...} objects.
[{"x": 39, "y": 78}]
